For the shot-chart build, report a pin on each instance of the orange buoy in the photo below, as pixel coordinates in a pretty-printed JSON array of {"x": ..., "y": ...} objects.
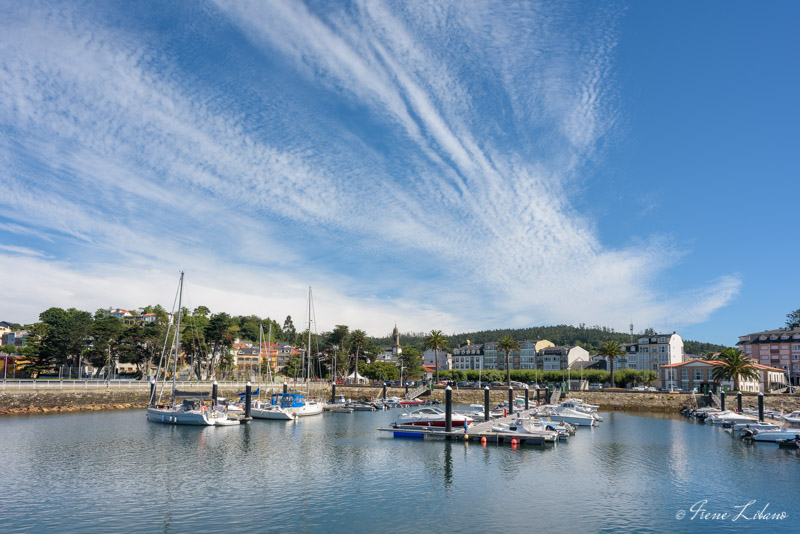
[
  {"x": 483, "y": 439},
  {"x": 514, "y": 441}
]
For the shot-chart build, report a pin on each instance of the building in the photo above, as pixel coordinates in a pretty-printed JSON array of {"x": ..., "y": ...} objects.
[
  {"x": 775, "y": 348},
  {"x": 429, "y": 359},
  {"x": 649, "y": 353},
  {"x": 560, "y": 358},
  {"x": 524, "y": 358},
  {"x": 699, "y": 374},
  {"x": 468, "y": 356}
]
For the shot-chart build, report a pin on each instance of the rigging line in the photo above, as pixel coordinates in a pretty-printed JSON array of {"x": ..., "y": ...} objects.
[{"x": 163, "y": 350}]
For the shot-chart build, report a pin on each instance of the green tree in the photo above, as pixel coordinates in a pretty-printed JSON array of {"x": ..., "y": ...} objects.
[
  {"x": 104, "y": 337},
  {"x": 38, "y": 360},
  {"x": 793, "y": 319},
  {"x": 289, "y": 332},
  {"x": 733, "y": 366},
  {"x": 357, "y": 338},
  {"x": 219, "y": 335},
  {"x": 610, "y": 350},
  {"x": 507, "y": 344},
  {"x": 292, "y": 367},
  {"x": 411, "y": 361},
  {"x": 436, "y": 341}
]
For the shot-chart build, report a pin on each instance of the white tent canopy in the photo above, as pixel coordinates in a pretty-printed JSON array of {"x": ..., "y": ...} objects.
[{"x": 355, "y": 377}]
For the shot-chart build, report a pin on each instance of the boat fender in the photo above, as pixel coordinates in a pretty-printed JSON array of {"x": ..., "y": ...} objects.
[{"x": 203, "y": 409}]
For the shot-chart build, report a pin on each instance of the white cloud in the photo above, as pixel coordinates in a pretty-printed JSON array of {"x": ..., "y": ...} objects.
[{"x": 462, "y": 217}]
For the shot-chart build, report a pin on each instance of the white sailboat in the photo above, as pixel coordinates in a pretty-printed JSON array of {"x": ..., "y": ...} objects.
[
  {"x": 186, "y": 408},
  {"x": 290, "y": 406}
]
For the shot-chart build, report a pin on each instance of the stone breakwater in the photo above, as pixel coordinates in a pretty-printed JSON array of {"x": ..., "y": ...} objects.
[{"x": 55, "y": 401}]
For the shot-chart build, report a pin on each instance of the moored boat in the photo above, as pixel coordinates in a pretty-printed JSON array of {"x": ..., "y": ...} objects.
[{"x": 432, "y": 417}]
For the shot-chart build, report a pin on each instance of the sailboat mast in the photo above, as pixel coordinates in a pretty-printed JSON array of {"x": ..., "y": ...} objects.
[
  {"x": 260, "y": 341},
  {"x": 308, "y": 364},
  {"x": 177, "y": 334},
  {"x": 269, "y": 358}
]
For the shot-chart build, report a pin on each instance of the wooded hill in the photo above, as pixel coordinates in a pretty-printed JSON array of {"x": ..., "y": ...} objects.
[{"x": 589, "y": 338}]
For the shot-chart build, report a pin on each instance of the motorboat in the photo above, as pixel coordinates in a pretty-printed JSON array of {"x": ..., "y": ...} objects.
[
  {"x": 757, "y": 425},
  {"x": 411, "y": 402},
  {"x": 792, "y": 418},
  {"x": 771, "y": 435},
  {"x": 728, "y": 417},
  {"x": 527, "y": 428},
  {"x": 285, "y": 407},
  {"x": 580, "y": 405},
  {"x": 431, "y": 416},
  {"x": 339, "y": 405},
  {"x": 573, "y": 417}
]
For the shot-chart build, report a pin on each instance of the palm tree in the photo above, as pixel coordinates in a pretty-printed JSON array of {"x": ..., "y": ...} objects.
[
  {"x": 437, "y": 342},
  {"x": 357, "y": 337},
  {"x": 611, "y": 349},
  {"x": 734, "y": 365},
  {"x": 507, "y": 344}
]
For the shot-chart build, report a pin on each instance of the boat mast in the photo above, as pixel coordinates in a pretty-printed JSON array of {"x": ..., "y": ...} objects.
[
  {"x": 269, "y": 358},
  {"x": 260, "y": 341},
  {"x": 308, "y": 364},
  {"x": 177, "y": 336}
]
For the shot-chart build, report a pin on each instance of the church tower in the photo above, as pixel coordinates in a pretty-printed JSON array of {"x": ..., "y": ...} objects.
[{"x": 396, "y": 350}]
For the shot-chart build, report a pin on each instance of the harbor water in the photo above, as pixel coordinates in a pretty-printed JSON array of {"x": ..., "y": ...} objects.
[{"x": 115, "y": 472}]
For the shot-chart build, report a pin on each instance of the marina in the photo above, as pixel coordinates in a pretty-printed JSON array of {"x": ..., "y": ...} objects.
[{"x": 337, "y": 473}]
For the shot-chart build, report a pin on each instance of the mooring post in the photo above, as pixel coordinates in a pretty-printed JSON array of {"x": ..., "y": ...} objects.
[
  {"x": 214, "y": 392},
  {"x": 384, "y": 391},
  {"x": 152, "y": 392},
  {"x": 538, "y": 392},
  {"x": 760, "y": 406},
  {"x": 510, "y": 400},
  {"x": 285, "y": 387},
  {"x": 739, "y": 401},
  {"x": 722, "y": 400},
  {"x": 546, "y": 395},
  {"x": 486, "y": 415},
  {"x": 333, "y": 393},
  {"x": 248, "y": 398},
  {"x": 526, "y": 397},
  {"x": 448, "y": 409}
]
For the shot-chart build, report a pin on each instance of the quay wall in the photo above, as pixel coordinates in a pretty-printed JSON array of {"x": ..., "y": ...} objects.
[{"x": 27, "y": 401}]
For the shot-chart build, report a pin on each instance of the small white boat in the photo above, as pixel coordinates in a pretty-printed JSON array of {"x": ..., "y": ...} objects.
[
  {"x": 573, "y": 417},
  {"x": 792, "y": 418},
  {"x": 771, "y": 435},
  {"x": 430, "y": 416},
  {"x": 728, "y": 417},
  {"x": 525, "y": 427}
]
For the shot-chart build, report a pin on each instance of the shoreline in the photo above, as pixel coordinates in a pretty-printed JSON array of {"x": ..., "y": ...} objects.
[{"x": 26, "y": 402}]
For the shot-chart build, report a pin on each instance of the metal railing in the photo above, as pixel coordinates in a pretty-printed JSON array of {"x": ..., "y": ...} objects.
[{"x": 120, "y": 384}]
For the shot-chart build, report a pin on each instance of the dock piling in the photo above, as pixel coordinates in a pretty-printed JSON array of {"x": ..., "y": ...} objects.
[
  {"x": 722, "y": 400},
  {"x": 510, "y": 400},
  {"x": 486, "y": 415},
  {"x": 761, "y": 407},
  {"x": 448, "y": 410},
  {"x": 248, "y": 399},
  {"x": 384, "y": 391},
  {"x": 333, "y": 393},
  {"x": 214, "y": 392},
  {"x": 527, "y": 391},
  {"x": 285, "y": 387},
  {"x": 152, "y": 392},
  {"x": 739, "y": 401}
]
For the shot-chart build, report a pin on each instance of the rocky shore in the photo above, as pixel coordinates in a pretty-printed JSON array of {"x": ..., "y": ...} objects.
[{"x": 58, "y": 401}]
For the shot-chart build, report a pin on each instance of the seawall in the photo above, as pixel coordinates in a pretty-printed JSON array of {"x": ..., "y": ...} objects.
[{"x": 72, "y": 400}]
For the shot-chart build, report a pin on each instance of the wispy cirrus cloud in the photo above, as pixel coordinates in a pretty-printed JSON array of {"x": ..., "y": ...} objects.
[{"x": 413, "y": 158}]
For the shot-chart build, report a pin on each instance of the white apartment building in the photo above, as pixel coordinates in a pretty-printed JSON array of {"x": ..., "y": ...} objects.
[
  {"x": 560, "y": 358},
  {"x": 651, "y": 352}
]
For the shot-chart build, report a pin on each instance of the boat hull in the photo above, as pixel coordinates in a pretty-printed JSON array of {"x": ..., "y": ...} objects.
[{"x": 173, "y": 417}]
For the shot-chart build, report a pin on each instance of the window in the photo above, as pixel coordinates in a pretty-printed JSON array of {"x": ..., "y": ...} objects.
[
  {"x": 698, "y": 374},
  {"x": 684, "y": 374}
]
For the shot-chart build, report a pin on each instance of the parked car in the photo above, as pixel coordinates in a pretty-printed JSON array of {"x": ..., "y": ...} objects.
[
  {"x": 497, "y": 384},
  {"x": 517, "y": 384},
  {"x": 596, "y": 385}
]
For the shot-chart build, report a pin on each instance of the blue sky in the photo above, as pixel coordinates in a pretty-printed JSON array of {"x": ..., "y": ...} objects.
[{"x": 440, "y": 165}]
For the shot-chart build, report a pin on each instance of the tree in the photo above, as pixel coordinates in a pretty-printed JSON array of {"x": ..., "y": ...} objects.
[
  {"x": 610, "y": 350},
  {"x": 292, "y": 366},
  {"x": 289, "y": 332},
  {"x": 357, "y": 338},
  {"x": 507, "y": 344},
  {"x": 411, "y": 361},
  {"x": 734, "y": 365},
  {"x": 793, "y": 319},
  {"x": 104, "y": 336},
  {"x": 219, "y": 336},
  {"x": 38, "y": 359},
  {"x": 436, "y": 341}
]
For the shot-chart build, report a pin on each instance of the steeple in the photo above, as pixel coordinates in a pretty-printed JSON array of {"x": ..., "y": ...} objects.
[{"x": 396, "y": 341}]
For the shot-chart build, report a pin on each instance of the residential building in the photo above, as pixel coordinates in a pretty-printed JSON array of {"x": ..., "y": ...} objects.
[
  {"x": 651, "y": 352},
  {"x": 468, "y": 356},
  {"x": 445, "y": 359},
  {"x": 699, "y": 374},
  {"x": 775, "y": 348},
  {"x": 524, "y": 358},
  {"x": 559, "y": 358}
]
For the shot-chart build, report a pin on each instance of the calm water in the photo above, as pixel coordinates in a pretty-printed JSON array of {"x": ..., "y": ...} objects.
[{"x": 115, "y": 472}]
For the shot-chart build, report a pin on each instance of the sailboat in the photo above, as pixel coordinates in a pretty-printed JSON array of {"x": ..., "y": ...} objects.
[
  {"x": 186, "y": 408},
  {"x": 290, "y": 406}
]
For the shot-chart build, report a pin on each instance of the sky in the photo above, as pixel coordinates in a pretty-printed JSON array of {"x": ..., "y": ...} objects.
[{"x": 456, "y": 166}]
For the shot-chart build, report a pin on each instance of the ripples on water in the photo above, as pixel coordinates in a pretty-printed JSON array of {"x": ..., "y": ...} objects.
[{"x": 114, "y": 471}]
